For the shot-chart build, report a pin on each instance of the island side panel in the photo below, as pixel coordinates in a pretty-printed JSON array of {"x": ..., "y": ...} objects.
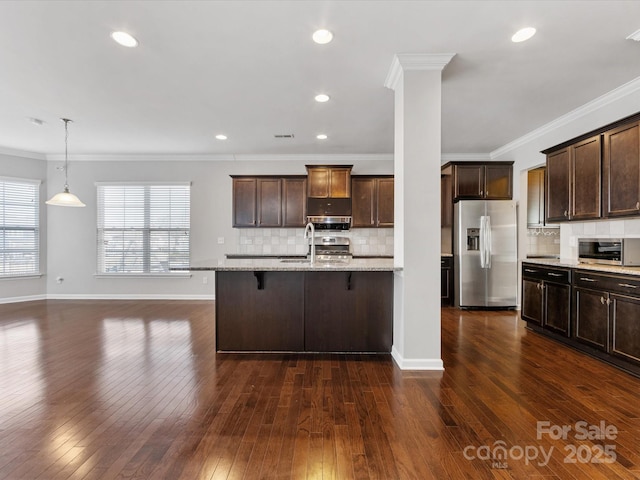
[
  {"x": 259, "y": 311},
  {"x": 348, "y": 311}
]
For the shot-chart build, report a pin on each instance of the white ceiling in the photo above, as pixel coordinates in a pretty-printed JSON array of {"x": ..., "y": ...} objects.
[{"x": 250, "y": 70}]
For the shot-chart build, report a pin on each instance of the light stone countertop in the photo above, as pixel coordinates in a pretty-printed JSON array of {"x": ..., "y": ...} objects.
[
  {"x": 567, "y": 263},
  {"x": 294, "y": 265}
]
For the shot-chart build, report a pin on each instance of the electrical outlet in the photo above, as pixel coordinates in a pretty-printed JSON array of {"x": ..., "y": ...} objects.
[
  {"x": 220, "y": 240},
  {"x": 59, "y": 280},
  {"x": 205, "y": 280}
]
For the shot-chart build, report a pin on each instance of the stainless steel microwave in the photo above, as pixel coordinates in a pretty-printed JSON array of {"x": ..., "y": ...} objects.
[{"x": 610, "y": 251}]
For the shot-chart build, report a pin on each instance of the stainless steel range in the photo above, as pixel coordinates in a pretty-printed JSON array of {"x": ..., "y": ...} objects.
[{"x": 331, "y": 248}]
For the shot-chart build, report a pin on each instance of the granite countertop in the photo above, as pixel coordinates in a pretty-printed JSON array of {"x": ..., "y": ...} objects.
[
  {"x": 446, "y": 254},
  {"x": 568, "y": 263},
  {"x": 296, "y": 264}
]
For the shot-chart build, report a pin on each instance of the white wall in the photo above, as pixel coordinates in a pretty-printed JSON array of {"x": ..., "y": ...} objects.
[
  {"x": 29, "y": 288},
  {"x": 71, "y": 235}
]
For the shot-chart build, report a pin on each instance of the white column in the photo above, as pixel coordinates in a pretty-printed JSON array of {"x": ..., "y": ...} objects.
[{"x": 416, "y": 80}]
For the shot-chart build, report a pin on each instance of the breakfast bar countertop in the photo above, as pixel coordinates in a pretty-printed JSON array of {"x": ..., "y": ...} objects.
[
  {"x": 569, "y": 263},
  {"x": 299, "y": 264}
]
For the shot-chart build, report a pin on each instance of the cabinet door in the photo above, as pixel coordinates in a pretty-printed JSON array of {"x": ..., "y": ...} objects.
[
  {"x": 535, "y": 197},
  {"x": 625, "y": 327},
  {"x": 247, "y": 302},
  {"x": 557, "y": 311},
  {"x": 348, "y": 311},
  {"x": 385, "y": 202},
  {"x": 318, "y": 178},
  {"x": 586, "y": 179},
  {"x": 340, "y": 182},
  {"x": 469, "y": 181},
  {"x": 294, "y": 203},
  {"x": 558, "y": 191},
  {"x": 363, "y": 202},
  {"x": 532, "y": 301},
  {"x": 269, "y": 202},
  {"x": 498, "y": 182},
  {"x": 592, "y": 318},
  {"x": 622, "y": 171},
  {"x": 446, "y": 281},
  {"x": 244, "y": 202}
]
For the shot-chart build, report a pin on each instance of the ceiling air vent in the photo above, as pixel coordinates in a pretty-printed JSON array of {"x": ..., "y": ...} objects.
[{"x": 283, "y": 135}]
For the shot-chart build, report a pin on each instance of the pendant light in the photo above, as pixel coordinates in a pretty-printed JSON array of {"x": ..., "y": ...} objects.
[{"x": 65, "y": 198}]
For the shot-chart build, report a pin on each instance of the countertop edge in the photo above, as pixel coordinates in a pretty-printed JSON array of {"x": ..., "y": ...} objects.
[{"x": 566, "y": 263}]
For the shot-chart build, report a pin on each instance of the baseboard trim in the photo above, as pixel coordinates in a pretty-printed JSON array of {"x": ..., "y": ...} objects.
[
  {"x": 416, "y": 363},
  {"x": 109, "y": 296},
  {"x": 26, "y": 298}
]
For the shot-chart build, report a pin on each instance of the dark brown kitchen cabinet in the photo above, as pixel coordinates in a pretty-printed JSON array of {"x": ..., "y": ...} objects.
[
  {"x": 329, "y": 181},
  {"x": 446, "y": 281},
  {"x": 294, "y": 202},
  {"x": 621, "y": 186},
  {"x": 348, "y": 311},
  {"x": 484, "y": 181},
  {"x": 264, "y": 201},
  {"x": 574, "y": 181},
  {"x": 546, "y": 297},
  {"x": 592, "y": 318},
  {"x": 536, "y": 199},
  {"x": 250, "y": 301},
  {"x": 372, "y": 201}
]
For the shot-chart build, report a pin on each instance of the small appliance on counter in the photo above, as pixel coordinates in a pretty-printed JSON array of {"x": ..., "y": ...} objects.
[{"x": 609, "y": 251}]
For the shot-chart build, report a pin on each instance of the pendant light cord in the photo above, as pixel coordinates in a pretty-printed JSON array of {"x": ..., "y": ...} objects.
[{"x": 66, "y": 155}]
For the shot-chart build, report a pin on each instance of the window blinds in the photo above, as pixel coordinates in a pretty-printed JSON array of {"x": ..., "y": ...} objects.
[
  {"x": 142, "y": 228},
  {"x": 19, "y": 227}
]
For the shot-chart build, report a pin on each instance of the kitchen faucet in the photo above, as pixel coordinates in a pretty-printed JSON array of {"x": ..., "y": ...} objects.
[{"x": 310, "y": 232}]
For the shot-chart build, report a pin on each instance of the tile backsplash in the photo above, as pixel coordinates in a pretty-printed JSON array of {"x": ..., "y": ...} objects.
[
  {"x": 543, "y": 241},
  {"x": 571, "y": 232},
  {"x": 291, "y": 241}
]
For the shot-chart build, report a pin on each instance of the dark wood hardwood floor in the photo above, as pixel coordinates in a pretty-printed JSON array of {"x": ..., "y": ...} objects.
[{"x": 123, "y": 389}]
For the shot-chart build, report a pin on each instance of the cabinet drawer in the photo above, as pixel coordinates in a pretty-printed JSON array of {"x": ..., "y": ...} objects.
[
  {"x": 539, "y": 272},
  {"x": 629, "y": 285}
]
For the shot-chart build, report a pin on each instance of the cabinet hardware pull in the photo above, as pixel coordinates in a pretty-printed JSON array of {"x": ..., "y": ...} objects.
[
  {"x": 554, "y": 274},
  {"x": 481, "y": 192},
  {"x": 637, "y": 205},
  {"x": 349, "y": 281},
  {"x": 530, "y": 271},
  {"x": 538, "y": 286},
  {"x": 608, "y": 301},
  {"x": 586, "y": 279},
  {"x": 566, "y": 214},
  {"x": 627, "y": 285},
  {"x": 260, "y": 278},
  {"x": 602, "y": 301}
]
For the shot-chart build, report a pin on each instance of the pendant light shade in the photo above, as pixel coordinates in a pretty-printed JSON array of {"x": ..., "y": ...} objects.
[{"x": 65, "y": 198}]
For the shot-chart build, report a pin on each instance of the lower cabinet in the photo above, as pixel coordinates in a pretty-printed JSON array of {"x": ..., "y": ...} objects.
[
  {"x": 304, "y": 311},
  {"x": 446, "y": 281},
  {"x": 546, "y": 297},
  {"x": 598, "y": 313}
]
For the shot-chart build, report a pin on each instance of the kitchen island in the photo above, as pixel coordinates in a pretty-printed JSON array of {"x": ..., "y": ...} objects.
[{"x": 289, "y": 304}]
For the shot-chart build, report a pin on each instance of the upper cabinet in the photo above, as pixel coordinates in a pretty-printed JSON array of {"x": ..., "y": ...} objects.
[
  {"x": 573, "y": 181},
  {"x": 372, "y": 201},
  {"x": 621, "y": 188},
  {"x": 482, "y": 181},
  {"x": 269, "y": 201},
  {"x": 329, "y": 181}
]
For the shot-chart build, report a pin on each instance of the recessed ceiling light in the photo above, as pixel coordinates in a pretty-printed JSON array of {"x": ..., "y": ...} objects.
[
  {"x": 124, "y": 39},
  {"x": 321, "y": 136},
  {"x": 322, "y": 36},
  {"x": 321, "y": 98},
  {"x": 634, "y": 36},
  {"x": 523, "y": 34},
  {"x": 220, "y": 136}
]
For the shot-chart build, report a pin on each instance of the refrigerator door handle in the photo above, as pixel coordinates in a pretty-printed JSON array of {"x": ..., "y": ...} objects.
[
  {"x": 487, "y": 243},
  {"x": 483, "y": 239}
]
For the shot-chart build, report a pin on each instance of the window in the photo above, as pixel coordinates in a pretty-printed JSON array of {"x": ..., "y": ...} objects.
[
  {"x": 19, "y": 227},
  {"x": 143, "y": 228}
]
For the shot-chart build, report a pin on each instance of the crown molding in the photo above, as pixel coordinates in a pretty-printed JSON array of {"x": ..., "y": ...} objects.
[
  {"x": 464, "y": 157},
  {"x": 614, "y": 95},
  {"x": 22, "y": 153},
  {"x": 335, "y": 158},
  {"x": 634, "y": 36},
  {"x": 415, "y": 61}
]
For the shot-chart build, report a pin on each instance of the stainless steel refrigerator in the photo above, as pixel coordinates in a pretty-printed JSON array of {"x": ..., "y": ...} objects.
[{"x": 485, "y": 253}]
